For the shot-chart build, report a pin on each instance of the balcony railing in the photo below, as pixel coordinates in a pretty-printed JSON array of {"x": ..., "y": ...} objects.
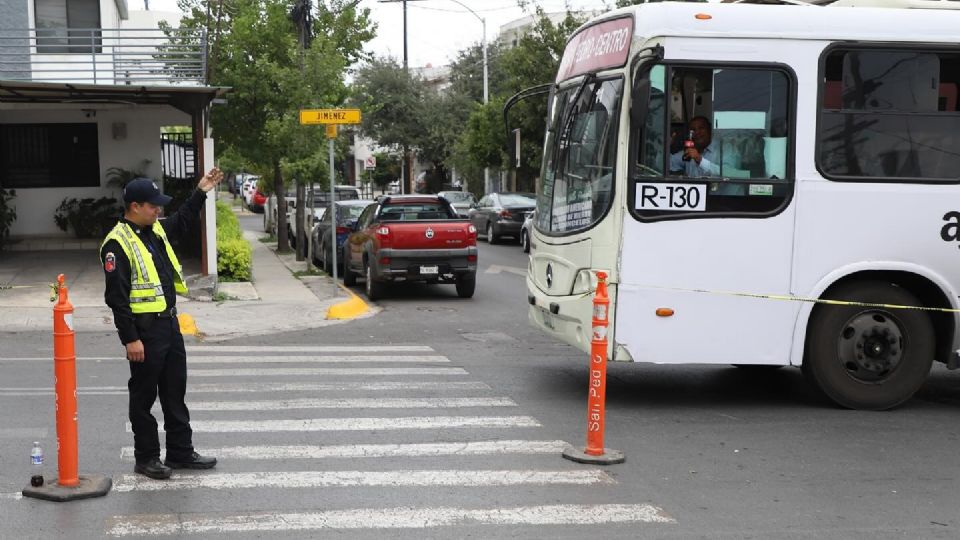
[{"x": 149, "y": 56}]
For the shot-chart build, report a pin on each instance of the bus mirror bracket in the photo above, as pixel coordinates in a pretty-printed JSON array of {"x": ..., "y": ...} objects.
[{"x": 514, "y": 99}]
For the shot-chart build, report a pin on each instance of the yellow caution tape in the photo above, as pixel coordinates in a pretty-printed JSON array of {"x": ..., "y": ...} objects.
[{"x": 792, "y": 298}]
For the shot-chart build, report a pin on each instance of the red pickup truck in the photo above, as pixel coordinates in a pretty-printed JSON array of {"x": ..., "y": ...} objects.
[{"x": 411, "y": 238}]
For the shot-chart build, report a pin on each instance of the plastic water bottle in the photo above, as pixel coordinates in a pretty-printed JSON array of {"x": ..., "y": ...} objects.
[{"x": 36, "y": 465}]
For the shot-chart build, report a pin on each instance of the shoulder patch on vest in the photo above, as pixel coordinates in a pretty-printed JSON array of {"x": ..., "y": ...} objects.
[{"x": 110, "y": 262}]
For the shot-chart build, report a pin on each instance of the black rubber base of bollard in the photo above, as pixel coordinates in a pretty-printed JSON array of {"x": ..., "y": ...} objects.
[
  {"x": 91, "y": 485},
  {"x": 609, "y": 456}
]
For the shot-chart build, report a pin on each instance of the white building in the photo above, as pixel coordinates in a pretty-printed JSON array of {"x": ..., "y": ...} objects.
[{"x": 86, "y": 86}]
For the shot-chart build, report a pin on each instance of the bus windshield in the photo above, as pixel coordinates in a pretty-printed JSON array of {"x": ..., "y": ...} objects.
[{"x": 576, "y": 186}]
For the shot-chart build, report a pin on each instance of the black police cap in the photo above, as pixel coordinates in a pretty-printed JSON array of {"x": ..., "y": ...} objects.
[{"x": 141, "y": 190}]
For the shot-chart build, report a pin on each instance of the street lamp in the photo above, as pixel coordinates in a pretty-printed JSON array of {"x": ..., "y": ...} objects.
[{"x": 486, "y": 90}]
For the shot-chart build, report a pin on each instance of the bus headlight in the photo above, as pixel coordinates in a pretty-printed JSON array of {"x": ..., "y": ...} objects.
[{"x": 585, "y": 282}]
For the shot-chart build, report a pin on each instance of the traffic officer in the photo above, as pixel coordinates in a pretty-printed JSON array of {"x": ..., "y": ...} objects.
[{"x": 143, "y": 277}]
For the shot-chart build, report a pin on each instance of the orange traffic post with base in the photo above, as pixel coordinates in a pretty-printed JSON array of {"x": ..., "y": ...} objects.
[
  {"x": 70, "y": 485},
  {"x": 595, "y": 453}
]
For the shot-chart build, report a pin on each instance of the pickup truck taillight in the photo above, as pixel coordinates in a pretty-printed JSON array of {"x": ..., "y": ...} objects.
[
  {"x": 471, "y": 235},
  {"x": 383, "y": 236},
  {"x": 383, "y": 231}
]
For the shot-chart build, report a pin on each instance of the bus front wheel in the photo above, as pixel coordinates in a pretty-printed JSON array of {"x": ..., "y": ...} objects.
[{"x": 869, "y": 357}]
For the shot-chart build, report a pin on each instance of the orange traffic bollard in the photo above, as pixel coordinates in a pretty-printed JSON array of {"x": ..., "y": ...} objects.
[
  {"x": 595, "y": 453},
  {"x": 70, "y": 484}
]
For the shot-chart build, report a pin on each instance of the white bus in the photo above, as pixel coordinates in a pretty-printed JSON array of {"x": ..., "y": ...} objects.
[{"x": 822, "y": 148}]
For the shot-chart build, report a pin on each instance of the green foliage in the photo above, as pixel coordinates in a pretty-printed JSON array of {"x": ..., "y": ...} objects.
[
  {"x": 234, "y": 254},
  {"x": 392, "y": 101},
  {"x": 89, "y": 218},
  {"x": 118, "y": 177},
  {"x": 388, "y": 169},
  {"x": 8, "y": 214},
  {"x": 256, "y": 52}
]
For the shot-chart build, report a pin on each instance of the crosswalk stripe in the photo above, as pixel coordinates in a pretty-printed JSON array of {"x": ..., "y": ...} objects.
[
  {"x": 320, "y": 359},
  {"x": 468, "y": 448},
  {"x": 258, "y": 372},
  {"x": 387, "y": 518},
  {"x": 202, "y": 388},
  {"x": 308, "y": 348},
  {"x": 13, "y": 496},
  {"x": 358, "y": 424},
  {"x": 351, "y": 403},
  {"x": 317, "y": 479}
]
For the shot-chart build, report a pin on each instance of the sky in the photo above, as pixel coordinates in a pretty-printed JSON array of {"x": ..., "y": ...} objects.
[{"x": 436, "y": 29}]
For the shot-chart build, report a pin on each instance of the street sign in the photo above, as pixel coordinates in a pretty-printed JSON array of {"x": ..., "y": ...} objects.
[
  {"x": 331, "y": 131},
  {"x": 370, "y": 163},
  {"x": 329, "y": 116}
]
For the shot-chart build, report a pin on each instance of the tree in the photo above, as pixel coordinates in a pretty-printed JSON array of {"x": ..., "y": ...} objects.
[
  {"x": 256, "y": 51},
  {"x": 532, "y": 62}
]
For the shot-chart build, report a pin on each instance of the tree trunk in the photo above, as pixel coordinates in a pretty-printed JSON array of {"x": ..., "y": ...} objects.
[{"x": 283, "y": 243}]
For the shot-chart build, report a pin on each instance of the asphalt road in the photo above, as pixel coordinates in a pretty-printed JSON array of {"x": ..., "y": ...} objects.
[{"x": 715, "y": 451}]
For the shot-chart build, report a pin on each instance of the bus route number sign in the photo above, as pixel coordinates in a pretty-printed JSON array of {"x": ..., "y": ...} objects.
[{"x": 671, "y": 197}]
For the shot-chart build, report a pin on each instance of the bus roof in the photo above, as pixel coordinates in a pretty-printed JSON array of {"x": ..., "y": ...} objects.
[{"x": 790, "y": 22}]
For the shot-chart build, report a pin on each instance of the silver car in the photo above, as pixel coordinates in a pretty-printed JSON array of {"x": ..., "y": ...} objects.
[{"x": 461, "y": 201}]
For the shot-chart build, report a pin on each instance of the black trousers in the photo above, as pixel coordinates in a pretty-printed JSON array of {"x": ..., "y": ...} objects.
[{"x": 163, "y": 372}]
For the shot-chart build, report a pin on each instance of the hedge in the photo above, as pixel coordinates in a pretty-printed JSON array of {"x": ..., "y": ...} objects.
[{"x": 234, "y": 254}]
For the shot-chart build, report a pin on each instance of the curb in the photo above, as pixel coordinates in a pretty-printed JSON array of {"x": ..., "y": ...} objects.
[
  {"x": 188, "y": 326},
  {"x": 349, "y": 309}
]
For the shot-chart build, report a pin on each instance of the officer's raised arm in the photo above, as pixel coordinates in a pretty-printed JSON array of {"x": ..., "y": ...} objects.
[{"x": 185, "y": 219}]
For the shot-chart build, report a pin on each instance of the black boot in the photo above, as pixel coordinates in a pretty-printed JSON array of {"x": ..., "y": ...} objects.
[
  {"x": 153, "y": 469},
  {"x": 194, "y": 461}
]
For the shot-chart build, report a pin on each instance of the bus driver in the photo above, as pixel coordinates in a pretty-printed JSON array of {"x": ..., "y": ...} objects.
[{"x": 697, "y": 160}]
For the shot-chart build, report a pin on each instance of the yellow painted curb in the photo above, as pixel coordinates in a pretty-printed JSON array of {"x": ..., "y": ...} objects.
[
  {"x": 348, "y": 309},
  {"x": 187, "y": 325}
]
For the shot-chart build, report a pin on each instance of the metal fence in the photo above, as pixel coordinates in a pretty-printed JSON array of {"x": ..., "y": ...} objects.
[
  {"x": 148, "y": 56},
  {"x": 178, "y": 158}
]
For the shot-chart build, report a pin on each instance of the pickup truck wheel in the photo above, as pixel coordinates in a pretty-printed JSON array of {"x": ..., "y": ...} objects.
[
  {"x": 491, "y": 238},
  {"x": 466, "y": 284},
  {"x": 349, "y": 278},
  {"x": 374, "y": 287}
]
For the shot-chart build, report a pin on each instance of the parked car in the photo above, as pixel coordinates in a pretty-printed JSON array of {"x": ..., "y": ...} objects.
[
  {"x": 318, "y": 213},
  {"x": 525, "y": 231},
  {"x": 257, "y": 200},
  {"x": 501, "y": 214},
  {"x": 411, "y": 238},
  {"x": 460, "y": 200},
  {"x": 247, "y": 188},
  {"x": 347, "y": 214}
]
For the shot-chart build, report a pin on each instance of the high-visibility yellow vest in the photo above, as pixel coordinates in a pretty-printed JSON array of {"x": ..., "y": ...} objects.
[{"x": 146, "y": 292}]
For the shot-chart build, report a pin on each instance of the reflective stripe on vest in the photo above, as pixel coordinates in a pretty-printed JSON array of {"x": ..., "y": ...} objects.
[{"x": 146, "y": 292}]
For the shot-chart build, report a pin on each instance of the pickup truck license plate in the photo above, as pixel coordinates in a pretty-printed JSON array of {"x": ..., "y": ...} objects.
[{"x": 428, "y": 270}]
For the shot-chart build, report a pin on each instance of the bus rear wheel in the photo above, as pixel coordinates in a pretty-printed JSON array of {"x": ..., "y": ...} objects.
[{"x": 865, "y": 357}]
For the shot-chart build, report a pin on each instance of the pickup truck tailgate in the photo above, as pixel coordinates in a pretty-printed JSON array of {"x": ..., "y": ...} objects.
[{"x": 432, "y": 234}]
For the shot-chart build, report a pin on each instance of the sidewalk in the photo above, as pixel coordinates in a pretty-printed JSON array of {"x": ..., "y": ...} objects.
[{"x": 278, "y": 301}]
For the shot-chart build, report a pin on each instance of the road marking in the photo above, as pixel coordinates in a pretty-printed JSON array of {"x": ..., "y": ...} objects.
[
  {"x": 496, "y": 269},
  {"x": 386, "y": 518},
  {"x": 318, "y": 479},
  {"x": 352, "y": 403},
  {"x": 202, "y": 388},
  {"x": 475, "y": 448},
  {"x": 33, "y": 433},
  {"x": 12, "y": 496},
  {"x": 262, "y": 372},
  {"x": 308, "y": 348},
  {"x": 291, "y": 359},
  {"x": 233, "y": 359},
  {"x": 359, "y": 424}
]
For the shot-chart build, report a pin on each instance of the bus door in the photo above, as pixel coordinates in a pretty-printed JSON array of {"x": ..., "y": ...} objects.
[{"x": 710, "y": 219}]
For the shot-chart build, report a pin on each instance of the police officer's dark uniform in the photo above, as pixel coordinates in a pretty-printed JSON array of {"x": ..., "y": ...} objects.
[{"x": 143, "y": 276}]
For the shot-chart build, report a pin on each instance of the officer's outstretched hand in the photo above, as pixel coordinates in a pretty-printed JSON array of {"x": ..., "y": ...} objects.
[
  {"x": 135, "y": 351},
  {"x": 210, "y": 180}
]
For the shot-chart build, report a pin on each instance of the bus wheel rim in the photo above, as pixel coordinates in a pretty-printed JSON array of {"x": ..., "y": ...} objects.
[{"x": 870, "y": 346}]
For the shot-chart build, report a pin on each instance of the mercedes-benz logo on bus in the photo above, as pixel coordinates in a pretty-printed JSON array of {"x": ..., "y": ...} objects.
[
  {"x": 549, "y": 275},
  {"x": 429, "y": 233}
]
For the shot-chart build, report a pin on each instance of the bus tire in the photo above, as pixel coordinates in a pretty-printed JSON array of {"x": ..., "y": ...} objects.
[{"x": 870, "y": 358}]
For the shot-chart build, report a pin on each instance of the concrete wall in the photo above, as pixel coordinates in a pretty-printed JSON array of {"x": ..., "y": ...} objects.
[{"x": 36, "y": 206}]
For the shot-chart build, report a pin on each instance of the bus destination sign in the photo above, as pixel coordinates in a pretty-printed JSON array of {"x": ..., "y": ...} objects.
[{"x": 601, "y": 46}]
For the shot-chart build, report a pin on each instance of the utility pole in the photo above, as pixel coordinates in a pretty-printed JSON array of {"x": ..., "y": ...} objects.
[{"x": 404, "y": 176}]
